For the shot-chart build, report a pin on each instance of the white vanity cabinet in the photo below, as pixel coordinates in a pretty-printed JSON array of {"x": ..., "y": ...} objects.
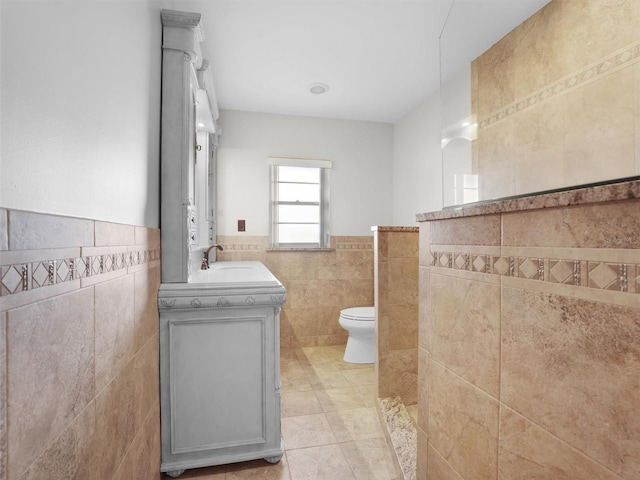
[{"x": 219, "y": 367}]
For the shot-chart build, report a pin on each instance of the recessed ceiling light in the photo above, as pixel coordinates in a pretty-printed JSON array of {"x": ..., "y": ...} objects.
[{"x": 318, "y": 88}]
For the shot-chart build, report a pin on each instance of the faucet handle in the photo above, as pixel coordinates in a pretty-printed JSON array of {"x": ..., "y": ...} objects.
[{"x": 205, "y": 263}]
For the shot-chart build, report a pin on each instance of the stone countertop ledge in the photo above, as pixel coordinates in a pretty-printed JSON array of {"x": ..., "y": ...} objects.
[{"x": 609, "y": 192}]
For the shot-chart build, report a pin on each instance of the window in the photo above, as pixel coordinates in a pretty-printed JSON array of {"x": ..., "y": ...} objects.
[{"x": 299, "y": 210}]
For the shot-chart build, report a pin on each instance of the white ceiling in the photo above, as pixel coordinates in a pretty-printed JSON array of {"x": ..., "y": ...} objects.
[{"x": 380, "y": 58}]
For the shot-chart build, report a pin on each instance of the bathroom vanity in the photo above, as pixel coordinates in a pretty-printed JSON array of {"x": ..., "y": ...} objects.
[
  {"x": 219, "y": 367},
  {"x": 219, "y": 327}
]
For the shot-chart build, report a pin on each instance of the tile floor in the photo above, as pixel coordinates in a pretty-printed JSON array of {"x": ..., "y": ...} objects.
[{"x": 330, "y": 425}]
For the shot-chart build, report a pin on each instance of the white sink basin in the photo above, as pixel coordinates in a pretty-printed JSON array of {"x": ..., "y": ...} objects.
[{"x": 233, "y": 272}]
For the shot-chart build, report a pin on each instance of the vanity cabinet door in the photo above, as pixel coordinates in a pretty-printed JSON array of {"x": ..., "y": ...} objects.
[
  {"x": 220, "y": 386},
  {"x": 217, "y": 367}
]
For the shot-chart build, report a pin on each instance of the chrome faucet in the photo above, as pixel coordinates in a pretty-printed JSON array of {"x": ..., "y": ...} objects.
[{"x": 205, "y": 259}]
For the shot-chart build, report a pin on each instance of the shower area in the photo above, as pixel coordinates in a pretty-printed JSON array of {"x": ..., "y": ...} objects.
[{"x": 396, "y": 369}]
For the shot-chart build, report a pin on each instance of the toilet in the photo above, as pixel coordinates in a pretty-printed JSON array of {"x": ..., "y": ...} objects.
[{"x": 360, "y": 323}]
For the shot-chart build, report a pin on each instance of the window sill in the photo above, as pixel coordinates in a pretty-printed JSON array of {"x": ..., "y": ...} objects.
[{"x": 299, "y": 249}]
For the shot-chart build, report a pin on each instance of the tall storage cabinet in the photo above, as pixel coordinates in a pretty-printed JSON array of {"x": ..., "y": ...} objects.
[{"x": 219, "y": 366}]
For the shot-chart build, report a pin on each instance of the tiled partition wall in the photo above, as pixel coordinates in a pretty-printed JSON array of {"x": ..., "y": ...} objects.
[
  {"x": 396, "y": 301},
  {"x": 78, "y": 349},
  {"x": 530, "y": 338},
  {"x": 319, "y": 284},
  {"x": 556, "y": 95}
]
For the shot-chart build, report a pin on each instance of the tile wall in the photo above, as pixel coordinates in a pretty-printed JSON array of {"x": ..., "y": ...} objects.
[
  {"x": 396, "y": 293},
  {"x": 319, "y": 284},
  {"x": 79, "y": 359},
  {"x": 529, "y": 355},
  {"x": 556, "y": 96}
]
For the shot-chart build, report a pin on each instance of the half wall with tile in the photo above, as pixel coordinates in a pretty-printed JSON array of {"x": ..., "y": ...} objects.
[
  {"x": 396, "y": 301},
  {"x": 529, "y": 350},
  {"x": 79, "y": 360},
  {"x": 319, "y": 283}
]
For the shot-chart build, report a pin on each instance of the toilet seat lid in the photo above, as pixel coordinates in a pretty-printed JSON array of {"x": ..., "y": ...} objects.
[{"x": 366, "y": 314}]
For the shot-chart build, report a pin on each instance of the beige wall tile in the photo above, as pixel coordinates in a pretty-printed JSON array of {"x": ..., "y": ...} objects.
[
  {"x": 297, "y": 341},
  {"x": 328, "y": 321},
  {"x": 116, "y": 411},
  {"x": 146, "y": 370},
  {"x": 382, "y": 330},
  {"x": 424, "y": 309},
  {"x": 303, "y": 266},
  {"x": 423, "y": 390},
  {"x": 540, "y": 146},
  {"x": 483, "y": 230},
  {"x": 536, "y": 62},
  {"x": 31, "y": 231},
  {"x": 146, "y": 316},
  {"x": 329, "y": 267},
  {"x": 497, "y": 180},
  {"x": 571, "y": 366},
  {"x": 590, "y": 226},
  {"x": 398, "y": 372},
  {"x": 114, "y": 234},
  {"x": 422, "y": 455},
  {"x": 142, "y": 460},
  {"x": 3, "y": 396},
  {"x": 330, "y": 293},
  {"x": 403, "y": 244},
  {"x": 403, "y": 281},
  {"x": 496, "y": 76},
  {"x": 303, "y": 321},
  {"x": 60, "y": 372},
  {"x": 593, "y": 29},
  {"x": 424, "y": 244},
  {"x": 72, "y": 455},
  {"x": 147, "y": 236},
  {"x": 440, "y": 469},
  {"x": 463, "y": 424},
  {"x": 602, "y": 126},
  {"x": 636, "y": 91},
  {"x": 497, "y": 144},
  {"x": 403, "y": 326},
  {"x": 358, "y": 293},
  {"x": 4, "y": 234},
  {"x": 114, "y": 328},
  {"x": 465, "y": 330},
  {"x": 357, "y": 264},
  {"x": 303, "y": 293},
  {"x": 527, "y": 452}
]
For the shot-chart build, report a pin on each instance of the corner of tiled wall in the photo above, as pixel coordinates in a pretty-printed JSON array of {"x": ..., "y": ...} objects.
[
  {"x": 79, "y": 346},
  {"x": 4, "y": 245},
  {"x": 397, "y": 309}
]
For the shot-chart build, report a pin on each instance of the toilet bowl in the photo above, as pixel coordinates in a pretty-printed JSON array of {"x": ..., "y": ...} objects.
[{"x": 360, "y": 323}]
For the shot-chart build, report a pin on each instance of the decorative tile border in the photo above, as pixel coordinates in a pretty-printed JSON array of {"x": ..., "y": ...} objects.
[
  {"x": 621, "y": 277},
  {"x": 243, "y": 247},
  {"x": 353, "y": 246},
  {"x": 27, "y": 276},
  {"x": 622, "y": 58}
]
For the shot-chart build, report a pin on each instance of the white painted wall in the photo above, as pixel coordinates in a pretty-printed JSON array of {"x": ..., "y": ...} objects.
[
  {"x": 361, "y": 178},
  {"x": 417, "y": 164},
  {"x": 80, "y": 94}
]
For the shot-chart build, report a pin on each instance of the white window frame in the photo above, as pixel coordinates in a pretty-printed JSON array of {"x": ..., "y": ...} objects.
[{"x": 325, "y": 168}]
